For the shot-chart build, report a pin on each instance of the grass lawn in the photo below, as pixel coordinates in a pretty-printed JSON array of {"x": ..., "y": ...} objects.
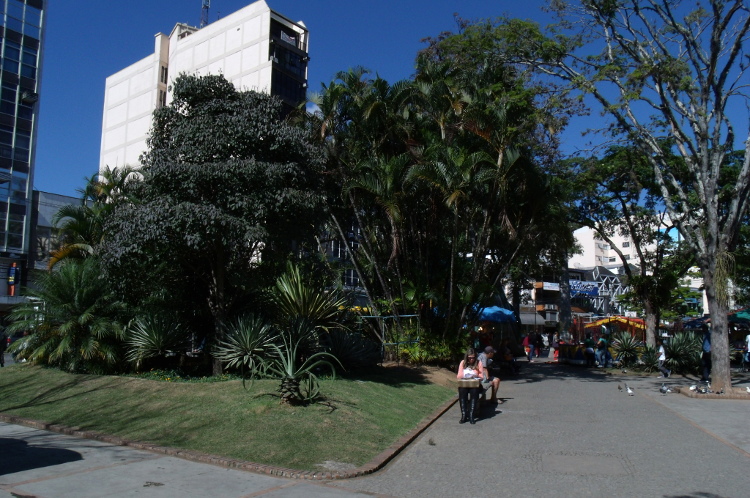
[{"x": 359, "y": 418}]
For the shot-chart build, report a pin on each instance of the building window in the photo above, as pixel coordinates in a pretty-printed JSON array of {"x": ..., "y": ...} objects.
[
  {"x": 627, "y": 256},
  {"x": 162, "y": 98},
  {"x": 164, "y": 75},
  {"x": 613, "y": 259},
  {"x": 626, "y": 244},
  {"x": 15, "y": 230}
]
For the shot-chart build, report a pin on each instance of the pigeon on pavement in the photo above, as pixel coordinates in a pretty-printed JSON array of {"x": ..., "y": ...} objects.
[
  {"x": 619, "y": 388},
  {"x": 630, "y": 391}
]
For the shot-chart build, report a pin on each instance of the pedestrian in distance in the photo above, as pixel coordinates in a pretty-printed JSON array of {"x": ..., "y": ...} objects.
[{"x": 661, "y": 358}]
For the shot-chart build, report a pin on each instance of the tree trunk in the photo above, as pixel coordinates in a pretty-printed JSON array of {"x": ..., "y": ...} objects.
[
  {"x": 721, "y": 378},
  {"x": 651, "y": 324}
]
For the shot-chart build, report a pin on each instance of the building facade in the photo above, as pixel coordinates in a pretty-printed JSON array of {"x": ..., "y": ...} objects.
[
  {"x": 255, "y": 48},
  {"x": 21, "y": 40}
]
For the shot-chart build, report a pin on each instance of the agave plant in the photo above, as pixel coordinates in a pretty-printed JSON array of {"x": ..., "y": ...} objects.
[
  {"x": 626, "y": 348},
  {"x": 684, "y": 352},
  {"x": 153, "y": 336},
  {"x": 299, "y": 383},
  {"x": 650, "y": 359},
  {"x": 247, "y": 343}
]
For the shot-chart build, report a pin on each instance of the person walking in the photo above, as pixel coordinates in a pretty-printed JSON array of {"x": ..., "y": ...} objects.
[{"x": 662, "y": 357}]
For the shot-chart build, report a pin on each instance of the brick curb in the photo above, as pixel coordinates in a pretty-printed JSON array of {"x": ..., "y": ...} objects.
[
  {"x": 734, "y": 394},
  {"x": 373, "y": 465}
]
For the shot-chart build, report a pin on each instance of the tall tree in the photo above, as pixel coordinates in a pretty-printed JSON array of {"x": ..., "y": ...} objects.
[
  {"x": 663, "y": 71},
  {"x": 618, "y": 196},
  {"x": 229, "y": 189}
]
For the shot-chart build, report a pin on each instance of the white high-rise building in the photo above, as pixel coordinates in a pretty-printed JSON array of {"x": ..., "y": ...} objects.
[{"x": 255, "y": 48}]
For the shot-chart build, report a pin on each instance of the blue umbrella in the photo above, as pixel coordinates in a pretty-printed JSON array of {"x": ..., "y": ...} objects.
[{"x": 496, "y": 314}]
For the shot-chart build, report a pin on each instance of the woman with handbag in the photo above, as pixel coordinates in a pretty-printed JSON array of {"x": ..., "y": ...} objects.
[{"x": 470, "y": 372}]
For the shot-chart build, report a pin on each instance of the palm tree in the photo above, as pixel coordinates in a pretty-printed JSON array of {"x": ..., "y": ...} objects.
[
  {"x": 82, "y": 226},
  {"x": 71, "y": 320}
]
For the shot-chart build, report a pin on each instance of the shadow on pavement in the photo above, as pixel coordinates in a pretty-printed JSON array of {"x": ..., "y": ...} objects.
[{"x": 16, "y": 456}]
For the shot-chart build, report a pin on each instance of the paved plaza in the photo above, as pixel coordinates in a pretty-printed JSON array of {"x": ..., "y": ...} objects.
[{"x": 559, "y": 431}]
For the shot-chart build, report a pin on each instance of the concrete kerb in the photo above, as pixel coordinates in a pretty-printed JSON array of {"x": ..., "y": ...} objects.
[{"x": 373, "y": 465}]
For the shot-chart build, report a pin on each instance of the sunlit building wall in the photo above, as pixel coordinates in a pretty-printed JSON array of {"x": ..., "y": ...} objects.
[{"x": 255, "y": 48}]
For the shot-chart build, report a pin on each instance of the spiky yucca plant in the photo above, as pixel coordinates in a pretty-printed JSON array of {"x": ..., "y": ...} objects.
[
  {"x": 684, "y": 352},
  {"x": 247, "y": 343},
  {"x": 299, "y": 383},
  {"x": 626, "y": 348},
  {"x": 153, "y": 336}
]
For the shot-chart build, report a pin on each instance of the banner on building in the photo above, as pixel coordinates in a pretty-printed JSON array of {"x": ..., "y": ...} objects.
[{"x": 581, "y": 288}]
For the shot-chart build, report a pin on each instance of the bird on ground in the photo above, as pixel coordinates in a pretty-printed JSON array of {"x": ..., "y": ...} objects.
[
  {"x": 619, "y": 388},
  {"x": 630, "y": 391},
  {"x": 748, "y": 390},
  {"x": 694, "y": 387},
  {"x": 624, "y": 371},
  {"x": 664, "y": 389}
]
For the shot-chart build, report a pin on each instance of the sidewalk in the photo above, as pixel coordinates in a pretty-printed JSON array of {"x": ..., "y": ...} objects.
[
  {"x": 560, "y": 431},
  {"x": 568, "y": 431}
]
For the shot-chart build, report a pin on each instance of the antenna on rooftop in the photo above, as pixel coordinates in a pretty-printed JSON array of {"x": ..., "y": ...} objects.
[{"x": 204, "y": 12}]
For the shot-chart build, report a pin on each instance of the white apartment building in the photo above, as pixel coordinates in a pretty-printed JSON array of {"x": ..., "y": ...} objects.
[
  {"x": 255, "y": 48},
  {"x": 597, "y": 252}
]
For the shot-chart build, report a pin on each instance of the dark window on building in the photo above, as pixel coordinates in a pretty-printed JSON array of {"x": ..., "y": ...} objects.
[
  {"x": 626, "y": 244},
  {"x": 164, "y": 75},
  {"x": 287, "y": 87},
  {"x": 15, "y": 230},
  {"x": 286, "y": 35}
]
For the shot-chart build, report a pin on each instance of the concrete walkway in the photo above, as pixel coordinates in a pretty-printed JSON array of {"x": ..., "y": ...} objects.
[{"x": 560, "y": 431}]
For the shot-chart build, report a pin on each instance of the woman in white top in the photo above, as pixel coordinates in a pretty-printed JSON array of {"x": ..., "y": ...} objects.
[
  {"x": 662, "y": 357},
  {"x": 471, "y": 369}
]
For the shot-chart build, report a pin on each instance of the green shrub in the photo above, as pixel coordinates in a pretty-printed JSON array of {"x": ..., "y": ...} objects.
[
  {"x": 626, "y": 348},
  {"x": 248, "y": 341},
  {"x": 352, "y": 349},
  {"x": 154, "y": 336},
  {"x": 649, "y": 359},
  {"x": 684, "y": 353}
]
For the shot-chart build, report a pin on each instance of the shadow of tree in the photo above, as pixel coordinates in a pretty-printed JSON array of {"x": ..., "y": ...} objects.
[{"x": 16, "y": 455}]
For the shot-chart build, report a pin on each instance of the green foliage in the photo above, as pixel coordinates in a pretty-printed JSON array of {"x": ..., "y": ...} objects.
[
  {"x": 299, "y": 382},
  {"x": 649, "y": 359},
  {"x": 72, "y": 320},
  {"x": 626, "y": 347},
  {"x": 153, "y": 336},
  {"x": 352, "y": 350},
  {"x": 230, "y": 190},
  {"x": 684, "y": 352},
  {"x": 247, "y": 343}
]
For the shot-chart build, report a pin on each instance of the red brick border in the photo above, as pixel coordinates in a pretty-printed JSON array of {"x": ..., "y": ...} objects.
[{"x": 373, "y": 465}]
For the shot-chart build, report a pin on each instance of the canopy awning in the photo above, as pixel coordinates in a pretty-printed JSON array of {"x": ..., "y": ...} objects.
[
  {"x": 632, "y": 322},
  {"x": 496, "y": 314}
]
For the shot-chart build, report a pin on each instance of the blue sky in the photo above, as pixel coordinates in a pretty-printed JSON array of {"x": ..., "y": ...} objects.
[{"x": 88, "y": 40}]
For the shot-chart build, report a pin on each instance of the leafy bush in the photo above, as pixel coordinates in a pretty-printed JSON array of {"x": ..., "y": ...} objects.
[
  {"x": 684, "y": 353},
  {"x": 153, "y": 336},
  {"x": 352, "y": 349},
  {"x": 626, "y": 348},
  {"x": 247, "y": 343},
  {"x": 649, "y": 359}
]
